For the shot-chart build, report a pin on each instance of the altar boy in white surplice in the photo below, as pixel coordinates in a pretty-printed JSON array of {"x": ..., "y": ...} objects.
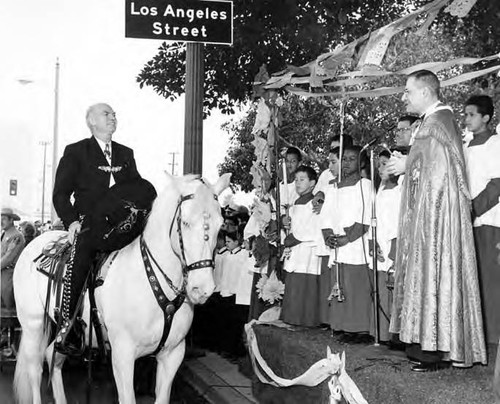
[
  {"x": 301, "y": 303},
  {"x": 482, "y": 152}
]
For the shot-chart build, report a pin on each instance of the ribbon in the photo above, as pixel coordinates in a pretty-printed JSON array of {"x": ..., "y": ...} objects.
[{"x": 333, "y": 366}]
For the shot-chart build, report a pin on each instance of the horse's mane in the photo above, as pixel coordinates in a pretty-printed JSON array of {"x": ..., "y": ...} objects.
[{"x": 173, "y": 190}]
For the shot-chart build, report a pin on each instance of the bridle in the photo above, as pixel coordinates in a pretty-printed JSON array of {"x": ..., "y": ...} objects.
[
  {"x": 146, "y": 252},
  {"x": 206, "y": 227}
]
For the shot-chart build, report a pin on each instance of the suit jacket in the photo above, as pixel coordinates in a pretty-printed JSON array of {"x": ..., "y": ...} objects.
[{"x": 84, "y": 173}]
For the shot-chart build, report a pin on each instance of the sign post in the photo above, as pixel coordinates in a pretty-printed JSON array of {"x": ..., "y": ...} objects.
[{"x": 196, "y": 22}]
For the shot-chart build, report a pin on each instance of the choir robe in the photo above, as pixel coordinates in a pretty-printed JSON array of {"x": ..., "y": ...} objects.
[
  {"x": 324, "y": 182},
  {"x": 353, "y": 206},
  {"x": 436, "y": 300},
  {"x": 482, "y": 153},
  {"x": 301, "y": 300},
  {"x": 328, "y": 210},
  {"x": 387, "y": 203}
]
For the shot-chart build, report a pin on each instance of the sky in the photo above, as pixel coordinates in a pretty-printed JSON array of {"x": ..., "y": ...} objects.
[{"x": 97, "y": 64}]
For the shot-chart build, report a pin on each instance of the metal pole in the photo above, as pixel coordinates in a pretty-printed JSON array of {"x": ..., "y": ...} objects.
[
  {"x": 55, "y": 140},
  {"x": 44, "y": 144},
  {"x": 193, "y": 121},
  {"x": 375, "y": 250},
  {"x": 278, "y": 194},
  {"x": 173, "y": 163},
  {"x": 341, "y": 146}
]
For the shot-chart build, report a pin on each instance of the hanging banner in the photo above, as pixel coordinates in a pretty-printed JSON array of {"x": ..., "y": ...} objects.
[{"x": 206, "y": 21}]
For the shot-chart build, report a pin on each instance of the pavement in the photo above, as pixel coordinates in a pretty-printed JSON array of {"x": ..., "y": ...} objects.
[
  {"x": 208, "y": 379},
  {"x": 217, "y": 380}
]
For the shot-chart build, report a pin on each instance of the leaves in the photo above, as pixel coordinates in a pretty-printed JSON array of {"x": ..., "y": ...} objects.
[{"x": 273, "y": 32}]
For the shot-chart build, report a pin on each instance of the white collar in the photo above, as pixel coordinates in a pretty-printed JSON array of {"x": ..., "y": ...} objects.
[
  {"x": 102, "y": 144},
  {"x": 236, "y": 250}
]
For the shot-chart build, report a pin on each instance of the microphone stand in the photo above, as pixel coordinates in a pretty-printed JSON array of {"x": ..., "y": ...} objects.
[{"x": 375, "y": 249}]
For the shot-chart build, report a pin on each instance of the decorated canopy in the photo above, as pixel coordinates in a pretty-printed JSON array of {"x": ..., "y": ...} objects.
[{"x": 327, "y": 76}]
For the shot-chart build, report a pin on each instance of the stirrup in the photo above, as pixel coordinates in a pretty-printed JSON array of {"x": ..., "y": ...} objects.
[{"x": 65, "y": 346}]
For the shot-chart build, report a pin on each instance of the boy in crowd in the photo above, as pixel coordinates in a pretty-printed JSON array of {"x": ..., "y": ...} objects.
[
  {"x": 300, "y": 303},
  {"x": 349, "y": 236},
  {"x": 388, "y": 199},
  {"x": 329, "y": 175},
  {"x": 481, "y": 154},
  {"x": 288, "y": 194}
]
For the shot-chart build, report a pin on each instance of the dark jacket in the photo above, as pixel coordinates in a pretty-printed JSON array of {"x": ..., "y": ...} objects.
[{"x": 84, "y": 172}]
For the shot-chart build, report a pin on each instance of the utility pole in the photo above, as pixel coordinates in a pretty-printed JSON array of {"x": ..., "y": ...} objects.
[
  {"x": 193, "y": 121},
  {"x": 173, "y": 163},
  {"x": 56, "y": 136},
  {"x": 44, "y": 143}
]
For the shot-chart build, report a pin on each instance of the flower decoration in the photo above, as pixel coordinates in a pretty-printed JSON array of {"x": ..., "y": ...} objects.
[{"x": 270, "y": 289}]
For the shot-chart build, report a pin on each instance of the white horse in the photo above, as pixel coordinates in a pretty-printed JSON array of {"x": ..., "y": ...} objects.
[{"x": 181, "y": 231}]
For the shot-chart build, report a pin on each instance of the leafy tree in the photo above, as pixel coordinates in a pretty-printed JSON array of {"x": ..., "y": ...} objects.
[{"x": 272, "y": 32}]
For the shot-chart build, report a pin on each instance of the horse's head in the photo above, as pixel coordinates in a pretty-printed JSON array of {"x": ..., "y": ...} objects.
[{"x": 193, "y": 232}]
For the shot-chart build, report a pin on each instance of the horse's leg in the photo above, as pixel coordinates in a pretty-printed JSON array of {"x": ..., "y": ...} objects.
[
  {"x": 168, "y": 364},
  {"x": 57, "y": 380},
  {"x": 28, "y": 373},
  {"x": 123, "y": 359}
]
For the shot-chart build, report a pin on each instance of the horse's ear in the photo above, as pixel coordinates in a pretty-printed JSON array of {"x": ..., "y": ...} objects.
[
  {"x": 170, "y": 179},
  {"x": 222, "y": 183}
]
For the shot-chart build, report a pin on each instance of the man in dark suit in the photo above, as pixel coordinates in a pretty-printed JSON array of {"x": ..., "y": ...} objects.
[{"x": 86, "y": 171}]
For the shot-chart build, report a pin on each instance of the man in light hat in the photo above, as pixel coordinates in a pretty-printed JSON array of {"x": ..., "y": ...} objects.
[{"x": 12, "y": 245}]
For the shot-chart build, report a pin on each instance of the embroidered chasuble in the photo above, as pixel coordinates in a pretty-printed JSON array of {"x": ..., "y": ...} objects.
[{"x": 436, "y": 293}]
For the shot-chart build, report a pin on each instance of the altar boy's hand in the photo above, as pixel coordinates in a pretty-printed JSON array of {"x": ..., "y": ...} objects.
[
  {"x": 340, "y": 241},
  {"x": 317, "y": 204}
]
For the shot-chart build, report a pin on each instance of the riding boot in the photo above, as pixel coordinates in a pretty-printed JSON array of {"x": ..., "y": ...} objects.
[{"x": 70, "y": 338}]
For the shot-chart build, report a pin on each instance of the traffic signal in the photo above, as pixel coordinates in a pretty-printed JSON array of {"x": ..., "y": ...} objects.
[{"x": 13, "y": 188}]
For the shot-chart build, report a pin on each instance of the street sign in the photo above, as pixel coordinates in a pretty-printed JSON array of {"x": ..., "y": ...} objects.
[{"x": 205, "y": 21}]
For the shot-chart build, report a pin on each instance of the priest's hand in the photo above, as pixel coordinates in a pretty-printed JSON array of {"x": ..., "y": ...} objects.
[{"x": 396, "y": 164}]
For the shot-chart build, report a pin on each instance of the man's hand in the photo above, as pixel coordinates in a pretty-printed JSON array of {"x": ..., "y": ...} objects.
[
  {"x": 317, "y": 203},
  {"x": 396, "y": 164},
  {"x": 73, "y": 230}
]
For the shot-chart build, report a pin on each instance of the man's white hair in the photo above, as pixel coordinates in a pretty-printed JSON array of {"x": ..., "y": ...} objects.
[{"x": 90, "y": 111}]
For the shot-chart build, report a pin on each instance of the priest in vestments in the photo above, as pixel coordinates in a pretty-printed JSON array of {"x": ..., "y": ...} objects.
[{"x": 437, "y": 305}]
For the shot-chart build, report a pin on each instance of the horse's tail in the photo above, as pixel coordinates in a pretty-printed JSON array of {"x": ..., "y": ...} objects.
[
  {"x": 29, "y": 364},
  {"x": 30, "y": 312}
]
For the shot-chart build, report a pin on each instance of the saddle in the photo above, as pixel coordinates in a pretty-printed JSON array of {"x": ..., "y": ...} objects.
[
  {"x": 55, "y": 256},
  {"x": 52, "y": 263}
]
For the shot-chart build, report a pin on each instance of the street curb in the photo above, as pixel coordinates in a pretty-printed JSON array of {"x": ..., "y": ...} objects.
[{"x": 209, "y": 385}]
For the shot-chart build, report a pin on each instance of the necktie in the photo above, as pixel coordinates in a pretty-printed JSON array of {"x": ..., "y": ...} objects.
[{"x": 107, "y": 152}]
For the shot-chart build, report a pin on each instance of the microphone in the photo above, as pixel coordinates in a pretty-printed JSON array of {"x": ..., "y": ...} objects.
[
  {"x": 385, "y": 147},
  {"x": 370, "y": 143}
]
